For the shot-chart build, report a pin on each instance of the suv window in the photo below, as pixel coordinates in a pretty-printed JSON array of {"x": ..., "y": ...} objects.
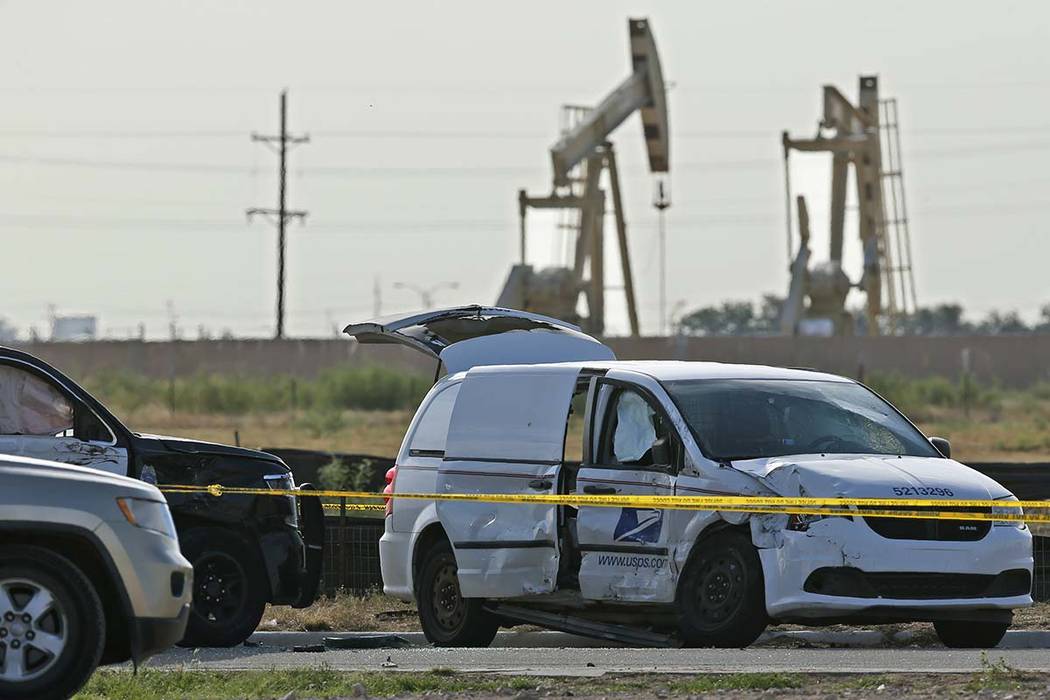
[
  {"x": 428, "y": 439},
  {"x": 29, "y": 405},
  {"x": 636, "y": 434}
]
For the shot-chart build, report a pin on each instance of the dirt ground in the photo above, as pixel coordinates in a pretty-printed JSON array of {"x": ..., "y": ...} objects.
[{"x": 379, "y": 613}]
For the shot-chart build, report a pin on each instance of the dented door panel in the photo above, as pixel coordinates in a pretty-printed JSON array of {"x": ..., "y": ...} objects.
[
  {"x": 109, "y": 458},
  {"x": 506, "y": 436},
  {"x": 624, "y": 551}
]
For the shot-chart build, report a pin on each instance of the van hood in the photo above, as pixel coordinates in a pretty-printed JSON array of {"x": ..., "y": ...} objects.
[{"x": 870, "y": 476}]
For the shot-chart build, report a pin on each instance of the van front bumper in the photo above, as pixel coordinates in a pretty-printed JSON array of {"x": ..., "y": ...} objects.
[{"x": 838, "y": 545}]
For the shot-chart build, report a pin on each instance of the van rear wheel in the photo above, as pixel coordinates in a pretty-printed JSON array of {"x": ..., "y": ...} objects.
[
  {"x": 448, "y": 619},
  {"x": 721, "y": 595},
  {"x": 962, "y": 634}
]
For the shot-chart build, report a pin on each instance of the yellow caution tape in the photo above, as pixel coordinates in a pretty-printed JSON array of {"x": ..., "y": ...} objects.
[
  {"x": 353, "y": 506},
  {"x": 847, "y": 507}
]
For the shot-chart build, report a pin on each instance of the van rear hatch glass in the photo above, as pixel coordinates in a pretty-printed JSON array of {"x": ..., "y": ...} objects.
[{"x": 471, "y": 336}]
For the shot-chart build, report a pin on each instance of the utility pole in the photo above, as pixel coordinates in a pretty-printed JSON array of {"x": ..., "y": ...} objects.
[{"x": 281, "y": 214}]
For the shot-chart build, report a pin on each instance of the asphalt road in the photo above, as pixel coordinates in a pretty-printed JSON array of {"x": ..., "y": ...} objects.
[{"x": 542, "y": 658}]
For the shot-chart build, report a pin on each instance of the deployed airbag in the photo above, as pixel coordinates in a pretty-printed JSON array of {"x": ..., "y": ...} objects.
[{"x": 31, "y": 406}]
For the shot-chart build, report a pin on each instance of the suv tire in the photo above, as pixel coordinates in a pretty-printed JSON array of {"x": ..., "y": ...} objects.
[
  {"x": 51, "y": 624},
  {"x": 962, "y": 634},
  {"x": 229, "y": 588},
  {"x": 447, "y": 619},
  {"x": 721, "y": 595}
]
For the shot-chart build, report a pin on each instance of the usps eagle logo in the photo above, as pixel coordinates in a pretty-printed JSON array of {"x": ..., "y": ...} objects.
[{"x": 639, "y": 525}]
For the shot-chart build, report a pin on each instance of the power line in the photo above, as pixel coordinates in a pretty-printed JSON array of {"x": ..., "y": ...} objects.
[
  {"x": 472, "y": 134},
  {"x": 281, "y": 214}
]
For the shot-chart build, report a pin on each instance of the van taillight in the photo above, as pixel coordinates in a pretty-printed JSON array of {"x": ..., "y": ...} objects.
[{"x": 391, "y": 475}]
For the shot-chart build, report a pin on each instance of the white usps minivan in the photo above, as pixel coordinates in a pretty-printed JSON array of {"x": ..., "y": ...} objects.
[{"x": 530, "y": 405}]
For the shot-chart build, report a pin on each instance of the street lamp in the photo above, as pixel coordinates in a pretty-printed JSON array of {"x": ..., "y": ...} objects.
[{"x": 426, "y": 294}]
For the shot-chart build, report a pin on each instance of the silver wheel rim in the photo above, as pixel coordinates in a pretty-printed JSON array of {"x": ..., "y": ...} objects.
[{"x": 33, "y": 630}]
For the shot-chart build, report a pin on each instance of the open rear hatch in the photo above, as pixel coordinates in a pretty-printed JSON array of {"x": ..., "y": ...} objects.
[{"x": 471, "y": 336}]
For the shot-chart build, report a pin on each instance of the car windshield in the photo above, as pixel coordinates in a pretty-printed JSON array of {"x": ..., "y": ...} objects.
[{"x": 750, "y": 418}]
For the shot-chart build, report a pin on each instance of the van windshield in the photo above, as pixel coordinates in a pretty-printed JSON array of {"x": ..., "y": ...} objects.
[{"x": 736, "y": 419}]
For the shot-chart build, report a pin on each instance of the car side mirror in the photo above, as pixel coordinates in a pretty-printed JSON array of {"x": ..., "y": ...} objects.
[
  {"x": 943, "y": 446},
  {"x": 661, "y": 452}
]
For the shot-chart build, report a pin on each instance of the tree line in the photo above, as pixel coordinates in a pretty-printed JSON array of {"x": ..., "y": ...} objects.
[{"x": 736, "y": 318}]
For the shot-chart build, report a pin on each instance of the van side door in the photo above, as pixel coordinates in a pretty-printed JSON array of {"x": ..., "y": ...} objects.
[
  {"x": 506, "y": 436},
  {"x": 632, "y": 450}
]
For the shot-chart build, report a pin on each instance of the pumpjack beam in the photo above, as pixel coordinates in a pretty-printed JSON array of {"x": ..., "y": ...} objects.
[{"x": 643, "y": 91}]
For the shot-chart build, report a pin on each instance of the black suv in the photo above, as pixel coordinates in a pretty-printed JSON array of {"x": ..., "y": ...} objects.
[{"x": 246, "y": 550}]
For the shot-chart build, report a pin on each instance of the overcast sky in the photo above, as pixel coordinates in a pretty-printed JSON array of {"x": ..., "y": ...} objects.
[{"x": 126, "y": 163}]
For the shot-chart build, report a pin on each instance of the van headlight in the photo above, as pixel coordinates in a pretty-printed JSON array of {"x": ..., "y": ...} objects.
[
  {"x": 149, "y": 515},
  {"x": 1008, "y": 510}
]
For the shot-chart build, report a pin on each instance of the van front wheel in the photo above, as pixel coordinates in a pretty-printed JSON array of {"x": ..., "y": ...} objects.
[
  {"x": 447, "y": 618},
  {"x": 721, "y": 597}
]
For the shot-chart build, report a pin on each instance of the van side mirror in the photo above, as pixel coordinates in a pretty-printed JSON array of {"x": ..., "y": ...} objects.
[
  {"x": 661, "y": 452},
  {"x": 943, "y": 446}
]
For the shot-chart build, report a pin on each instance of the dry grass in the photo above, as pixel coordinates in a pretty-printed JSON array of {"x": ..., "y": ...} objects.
[
  {"x": 1015, "y": 429},
  {"x": 361, "y": 432},
  {"x": 375, "y": 613}
]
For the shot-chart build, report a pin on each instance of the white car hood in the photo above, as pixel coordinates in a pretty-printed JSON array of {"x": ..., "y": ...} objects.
[{"x": 870, "y": 476}]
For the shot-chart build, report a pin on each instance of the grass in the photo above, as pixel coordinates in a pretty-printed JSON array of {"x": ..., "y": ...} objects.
[
  {"x": 333, "y": 390},
  {"x": 324, "y": 683}
]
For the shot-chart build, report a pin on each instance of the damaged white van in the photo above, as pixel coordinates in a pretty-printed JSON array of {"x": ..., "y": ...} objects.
[{"x": 530, "y": 405}]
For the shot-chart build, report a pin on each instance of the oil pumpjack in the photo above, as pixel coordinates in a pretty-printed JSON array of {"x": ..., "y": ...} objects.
[
  {"x": 866, "y": 137},
  {"x": 578, "y": 160}
]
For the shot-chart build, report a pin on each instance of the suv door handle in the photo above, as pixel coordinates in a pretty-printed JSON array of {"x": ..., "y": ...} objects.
[
  {"x": 600, "y": 490},
  {"x": 540, "y": 484}
]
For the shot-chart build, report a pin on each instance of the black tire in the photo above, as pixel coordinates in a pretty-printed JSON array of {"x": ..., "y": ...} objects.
[
  {"x": 721, "y": 594},
  {"x": 962, "y": 634},
  {"x": 449, "y": 620},
  {"x": 230, "y": 588},
  {"x": 73, "y": 622}
]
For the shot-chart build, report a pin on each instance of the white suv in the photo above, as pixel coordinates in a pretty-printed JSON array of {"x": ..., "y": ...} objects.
[
  {"x": 585, "y": 423},
  {"x": 90, "y": 572}
]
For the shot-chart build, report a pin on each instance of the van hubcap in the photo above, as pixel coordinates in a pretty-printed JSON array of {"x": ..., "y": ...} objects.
[
  {"x": 33, "y": 630},
  {"x": 721, "y": 588},
  {"x": 448, "y": 605}
]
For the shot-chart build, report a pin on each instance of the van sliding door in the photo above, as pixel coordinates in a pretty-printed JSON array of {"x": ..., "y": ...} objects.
[{"x": 506, "y": 437}]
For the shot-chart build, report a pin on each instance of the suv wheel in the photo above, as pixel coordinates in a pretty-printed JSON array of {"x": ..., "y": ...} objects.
[
  {"x": 448, "y": 619},
  {"x": 52, "y": 628},
  {"x": 229, "y": 589},
  {"x": 961, "y": 634},
  {"x": 721, "y": 595}
]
